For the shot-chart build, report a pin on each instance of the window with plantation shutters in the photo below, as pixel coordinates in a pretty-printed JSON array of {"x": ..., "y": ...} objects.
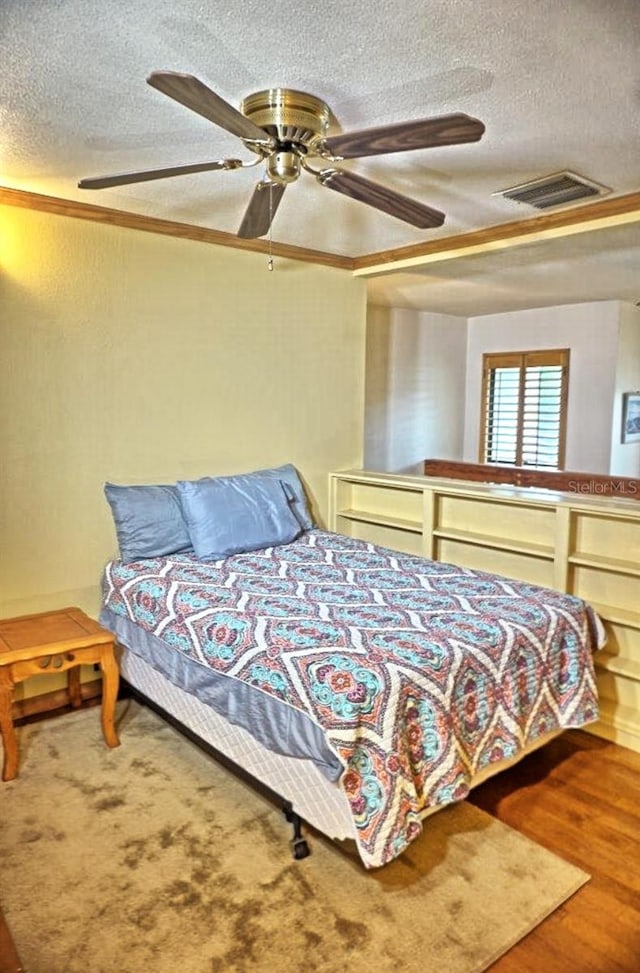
[{"x": 524, "y": 404}]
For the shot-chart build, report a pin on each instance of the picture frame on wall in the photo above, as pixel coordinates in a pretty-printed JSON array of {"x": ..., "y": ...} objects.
[{"x": 631, "y": 417}]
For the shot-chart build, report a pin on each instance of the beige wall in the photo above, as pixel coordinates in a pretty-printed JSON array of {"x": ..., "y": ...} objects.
[
  {"x": 415, "y": 388},
  {"x": 134, "y": 357}
]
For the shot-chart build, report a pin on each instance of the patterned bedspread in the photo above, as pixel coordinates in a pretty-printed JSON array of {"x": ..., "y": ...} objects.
[{"x": 420, "y": 673}]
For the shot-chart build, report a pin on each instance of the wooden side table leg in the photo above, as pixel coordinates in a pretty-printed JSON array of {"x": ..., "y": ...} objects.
[
  {"x": 75, "y": 692},
  {"x": 110, "y": 682},
  {"x": 7, "y": 729}
]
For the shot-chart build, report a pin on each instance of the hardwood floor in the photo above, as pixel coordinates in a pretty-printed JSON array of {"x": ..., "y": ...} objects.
[
  {"x": 580, "y": 798},
  {"x": 9, "y": 959}
]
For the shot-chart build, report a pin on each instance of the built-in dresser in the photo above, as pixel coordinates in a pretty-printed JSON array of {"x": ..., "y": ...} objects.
[{"x": 575, "y": 542}]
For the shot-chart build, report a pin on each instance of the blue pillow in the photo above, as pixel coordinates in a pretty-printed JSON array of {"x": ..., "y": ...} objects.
[
  {"x": 289, "y": 475},
  {"x": 148, "y": 520},
  {"x": 225, "y": 516}
]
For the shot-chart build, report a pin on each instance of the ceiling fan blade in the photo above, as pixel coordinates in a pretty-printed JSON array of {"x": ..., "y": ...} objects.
[
  {"x": 194, "y": 94},
  {"x": 373, "y": 194},
  {"x": 123, "y": 178},
  {"x": 424, "y": 133},
  {"x": 261, "y": 209}
]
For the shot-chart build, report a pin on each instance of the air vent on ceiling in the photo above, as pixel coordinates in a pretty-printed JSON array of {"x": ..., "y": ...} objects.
[{"x": 554, "y": 190}]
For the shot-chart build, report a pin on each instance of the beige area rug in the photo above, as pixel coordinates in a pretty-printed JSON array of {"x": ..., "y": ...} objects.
[{"x": 152, "y": 858}]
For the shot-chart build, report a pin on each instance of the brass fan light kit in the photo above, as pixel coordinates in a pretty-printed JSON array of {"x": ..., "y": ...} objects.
[{"x": 286, "y": 129}]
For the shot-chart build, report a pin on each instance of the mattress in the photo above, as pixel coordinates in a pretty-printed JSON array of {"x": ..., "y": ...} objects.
[{"x": 414, "y": 675}]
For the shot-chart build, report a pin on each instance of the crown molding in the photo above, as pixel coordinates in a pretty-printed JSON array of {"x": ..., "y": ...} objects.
[
  {"x": 612, "y": 211},
  {"x": 186, "y": 231},
  {"x": 578, "y": 219}
]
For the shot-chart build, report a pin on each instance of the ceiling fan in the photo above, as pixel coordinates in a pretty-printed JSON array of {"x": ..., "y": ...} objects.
[{"x": 287, "y": 128}]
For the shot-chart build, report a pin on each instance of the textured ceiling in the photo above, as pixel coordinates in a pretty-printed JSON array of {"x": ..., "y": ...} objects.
[
  {"x": 595, "y": 266},
  {"x": 556, "y": 84}
]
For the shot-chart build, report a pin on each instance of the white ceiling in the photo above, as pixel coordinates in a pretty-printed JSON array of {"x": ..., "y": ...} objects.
[
  {"x": 600, "y": 265},
  {"x": 556, "y": 84}
]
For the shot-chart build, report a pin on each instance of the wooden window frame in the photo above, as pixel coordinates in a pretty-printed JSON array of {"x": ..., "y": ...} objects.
[{"x": 524, "y": 360}]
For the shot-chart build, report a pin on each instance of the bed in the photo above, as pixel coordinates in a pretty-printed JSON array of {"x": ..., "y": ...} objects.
[{"x": 365, "y": 687}]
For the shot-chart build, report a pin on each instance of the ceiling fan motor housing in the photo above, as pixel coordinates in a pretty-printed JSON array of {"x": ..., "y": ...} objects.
[
  {"x": 296, "y": 119},
  {"x": 291, "y": 116}
]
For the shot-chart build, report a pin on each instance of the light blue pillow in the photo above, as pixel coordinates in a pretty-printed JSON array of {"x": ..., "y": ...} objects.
[
  {"x": 225, "y": 516},
  {"x": 148, "y": 520},
  {"x": 289, "y": 475}
]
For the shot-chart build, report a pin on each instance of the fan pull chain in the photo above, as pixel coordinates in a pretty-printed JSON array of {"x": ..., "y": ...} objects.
[{"x": 270, "y": 260}]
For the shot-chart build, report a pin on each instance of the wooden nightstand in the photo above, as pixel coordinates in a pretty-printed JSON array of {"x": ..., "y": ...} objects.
[{"x": 52, "y": 642}]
